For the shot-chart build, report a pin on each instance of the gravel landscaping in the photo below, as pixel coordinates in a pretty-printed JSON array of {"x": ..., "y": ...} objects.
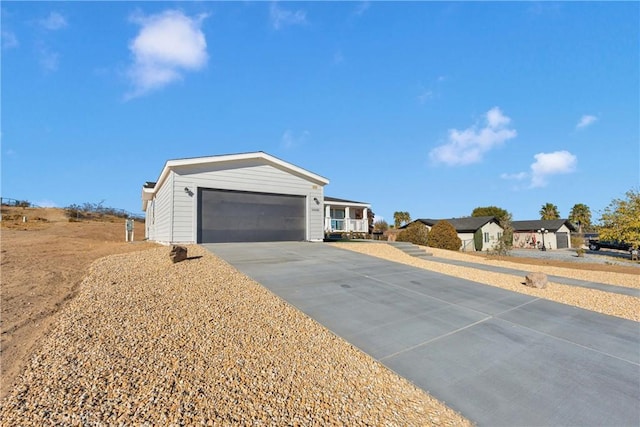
[
  {"x": 603, "y": 256},
  {"x": 591, "y": 299},
  {"x": 148, "y": 342}
]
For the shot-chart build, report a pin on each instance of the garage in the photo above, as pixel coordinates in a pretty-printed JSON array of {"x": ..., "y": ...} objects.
[
  {"x": 246, "y": 197},
  {"x": 242, "y": 216},
  {"x": 562, "y": 240}
]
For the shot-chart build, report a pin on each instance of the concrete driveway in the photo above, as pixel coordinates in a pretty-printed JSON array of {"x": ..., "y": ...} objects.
[{"x": 500, "y": 358}]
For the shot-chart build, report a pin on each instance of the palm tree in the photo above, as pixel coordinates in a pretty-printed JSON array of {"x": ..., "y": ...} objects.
[
  {"x": 549, "y": 211},
  {"x": 401, "y": 218},
  {"x": 581, "y": 215}
]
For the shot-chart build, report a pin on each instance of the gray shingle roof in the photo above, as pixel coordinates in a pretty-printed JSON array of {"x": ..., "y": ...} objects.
[
  {"x": 462, "y": 225},
  {"x": 548, "y": 224},
  {"x": 335, "y": 199}
]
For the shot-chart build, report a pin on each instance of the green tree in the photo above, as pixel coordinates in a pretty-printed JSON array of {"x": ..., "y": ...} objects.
[
  {"x": 621, "y": 219},
  {"x": 444, "y": 236},
  {"x": 549, "y": 211},
  {"x": 499, "y": 213},
  {"x": 401, "y": 218},
  {"x": 416, "y": 233},
  {"x": 504, "y": 217},
  {"x": 581, "y": 214}
]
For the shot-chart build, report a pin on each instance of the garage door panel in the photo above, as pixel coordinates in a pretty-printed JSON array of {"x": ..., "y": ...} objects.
[
  {"x": 562, "y": 240},
  {"x": 236, "y": 216}
]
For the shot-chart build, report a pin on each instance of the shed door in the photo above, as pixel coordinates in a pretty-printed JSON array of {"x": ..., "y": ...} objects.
[
  {"x": 241, "y": 216},
  {"x": 563, "y": 240}
]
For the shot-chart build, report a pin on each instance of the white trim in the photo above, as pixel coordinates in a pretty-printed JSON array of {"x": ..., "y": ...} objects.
[
  {"x": 347, "y": 204},
  {"x": 171, "y": 164}
]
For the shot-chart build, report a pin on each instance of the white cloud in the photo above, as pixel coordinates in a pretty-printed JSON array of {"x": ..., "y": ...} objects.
[
  {"x": 469, "y": 146},
  {"x": 290, "y": 139},
  {"x": 168, "y": 44},
  {"x": 585, "y": 121},
  {"x": 281, "y": 17},
  {"x": 9, "y": 40},
  {"x": 545, "y": 166},
  {"x": 53, "y": 22}
]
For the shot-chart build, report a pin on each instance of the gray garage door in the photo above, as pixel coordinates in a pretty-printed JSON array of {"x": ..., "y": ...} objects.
[
  {"x": 240, "y": 216},
  {"x": 563, "y": 240}
]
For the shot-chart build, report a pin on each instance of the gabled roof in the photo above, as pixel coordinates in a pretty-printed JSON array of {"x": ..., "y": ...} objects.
[
  {"x": 344, "y": 202},
  {"x": 552, "y": 225},
  {"x": 462, "y": 225},
  {"x": 148, "y": 191}
]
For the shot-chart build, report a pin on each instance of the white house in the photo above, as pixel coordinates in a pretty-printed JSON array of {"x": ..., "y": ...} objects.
[
  {"x": 556, "y": 234},
  {"x": 246, "y": 197},
  {"x": 346, "y": 216},
  {"x": 487, "y": 226}
]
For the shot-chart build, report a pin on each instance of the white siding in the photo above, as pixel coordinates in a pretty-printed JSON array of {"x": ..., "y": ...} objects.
[
  {"x": 315, "y": 216},
  {"x": 254, "y": 176},
  {"x": 184, "y": 210},
  {"x": 163, "y": 212},
  {"x": 466, "y": 240},
  {"x": 148, "y": 220},
  {"x": 493, "y": 229}
]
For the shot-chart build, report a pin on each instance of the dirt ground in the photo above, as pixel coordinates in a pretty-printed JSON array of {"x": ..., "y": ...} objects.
[
  {"x": 44, "y": 260},
  {"x": 42, "y": 263}
]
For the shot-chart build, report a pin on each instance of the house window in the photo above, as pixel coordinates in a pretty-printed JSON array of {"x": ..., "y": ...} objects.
[
  {"x": 499, "y": 235},
  {"x": 486, "y": 237},
  {"x": 337, "y": 219}
]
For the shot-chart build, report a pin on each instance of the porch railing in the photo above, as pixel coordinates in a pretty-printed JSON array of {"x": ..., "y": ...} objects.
[{"x": 347, "y": 225}]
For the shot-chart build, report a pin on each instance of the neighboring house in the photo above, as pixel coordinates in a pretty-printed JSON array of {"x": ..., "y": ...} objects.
[
  {"x": 529, "y": 234},
  {"x": 467, "y": 227},
  {"x": 247, "y": 197},
  {"x": 344, "y": 216}
]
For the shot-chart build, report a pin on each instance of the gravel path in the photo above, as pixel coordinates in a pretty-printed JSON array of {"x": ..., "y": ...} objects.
[
  {"x": 148, "y": 342},
  {"x": 613, "y": 304}
]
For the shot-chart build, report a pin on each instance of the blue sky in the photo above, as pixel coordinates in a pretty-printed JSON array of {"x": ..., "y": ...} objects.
[{"x": 425, "y": 107}]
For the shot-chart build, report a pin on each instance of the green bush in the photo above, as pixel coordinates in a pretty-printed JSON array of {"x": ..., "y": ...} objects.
[
  {"x": 477, "y": 239},
  {"x": 416, "y": 233},
  {"x": 577, "y": 240},
  {"x": 444, "y": 236}
]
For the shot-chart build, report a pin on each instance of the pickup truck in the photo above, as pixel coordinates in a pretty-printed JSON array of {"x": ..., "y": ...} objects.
[{"x": 595, "y": 245}]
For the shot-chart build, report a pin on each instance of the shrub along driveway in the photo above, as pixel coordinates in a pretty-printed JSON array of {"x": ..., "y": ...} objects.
[{"x": 498, "y": 357}]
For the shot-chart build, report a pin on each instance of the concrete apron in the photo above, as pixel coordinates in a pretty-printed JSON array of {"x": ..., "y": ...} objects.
[{"x": 498, "y": 357}]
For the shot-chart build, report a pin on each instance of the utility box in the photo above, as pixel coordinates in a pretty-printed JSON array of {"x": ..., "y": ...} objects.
[{"x": 129, "y": 228}]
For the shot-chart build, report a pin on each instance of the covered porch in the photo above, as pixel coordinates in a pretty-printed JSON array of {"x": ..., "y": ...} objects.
[{"x": 346, "y": 216}]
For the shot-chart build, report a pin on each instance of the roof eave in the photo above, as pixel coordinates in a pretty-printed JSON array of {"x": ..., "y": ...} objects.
[{"x": 172, "y": 164}]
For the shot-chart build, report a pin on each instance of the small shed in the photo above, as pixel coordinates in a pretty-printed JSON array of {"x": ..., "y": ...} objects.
[
  {"x": 556, "y": 233},
  {"x": 246, "y": 197}
]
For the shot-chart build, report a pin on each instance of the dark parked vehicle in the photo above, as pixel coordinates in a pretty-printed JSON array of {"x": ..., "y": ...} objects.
[{"x": 595, "y": 245}]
